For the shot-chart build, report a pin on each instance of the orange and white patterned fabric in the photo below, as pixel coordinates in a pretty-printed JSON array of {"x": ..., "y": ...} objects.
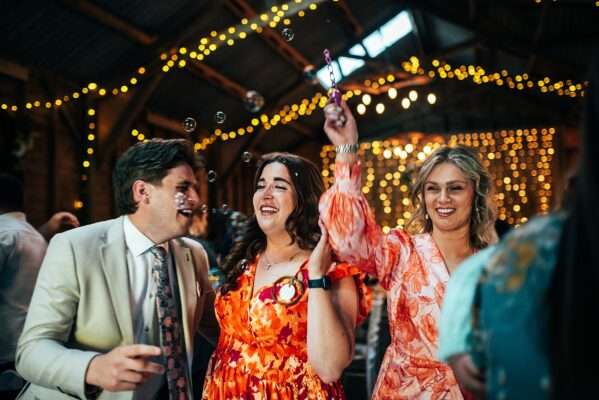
[
  {"x": 262, "y": 350},
  {"x": 412, "y": 271}
]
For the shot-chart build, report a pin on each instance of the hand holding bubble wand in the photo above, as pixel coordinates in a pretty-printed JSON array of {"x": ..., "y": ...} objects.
[{"x": 333, "y": 110}]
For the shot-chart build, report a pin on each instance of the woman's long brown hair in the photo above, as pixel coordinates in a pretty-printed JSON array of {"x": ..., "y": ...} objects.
[{"x": 302, "y": 224}]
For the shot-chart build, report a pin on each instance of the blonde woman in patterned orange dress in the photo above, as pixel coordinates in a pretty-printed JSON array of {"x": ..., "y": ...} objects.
[
  {"x": 455, "y": 215},
  {"x": 287, "y": 314}
]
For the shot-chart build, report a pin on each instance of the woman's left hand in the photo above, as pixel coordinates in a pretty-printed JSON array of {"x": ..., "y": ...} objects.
[{"x": 321, "y": 257}]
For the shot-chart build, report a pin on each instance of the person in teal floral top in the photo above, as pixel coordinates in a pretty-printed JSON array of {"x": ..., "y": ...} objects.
[{"x": 520, "y": 320}]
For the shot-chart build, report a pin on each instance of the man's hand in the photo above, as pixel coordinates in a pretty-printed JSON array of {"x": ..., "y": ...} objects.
[
  {"x": 124, "y": 368},
  {"x": 469, "y": 377},
  {"x": 58, "y": 222}
]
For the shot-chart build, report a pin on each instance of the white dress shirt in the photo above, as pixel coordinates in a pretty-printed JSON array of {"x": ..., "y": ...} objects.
[
  {"x": 22, "y": 250},
  {"x": 142, "y": 289}
]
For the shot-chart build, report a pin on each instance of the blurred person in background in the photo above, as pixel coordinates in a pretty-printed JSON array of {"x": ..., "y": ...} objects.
[
  {"x": 520, "y": 320},
  {"x": 22, "y": 249}
]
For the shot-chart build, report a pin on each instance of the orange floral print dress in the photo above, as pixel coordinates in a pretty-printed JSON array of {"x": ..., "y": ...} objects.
[
  {"x": 411, "y": 270},
  {"x": 262, "y": 350}
]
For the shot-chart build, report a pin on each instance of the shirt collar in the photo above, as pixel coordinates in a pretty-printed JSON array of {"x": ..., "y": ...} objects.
[{"x": 136, "y": 241}]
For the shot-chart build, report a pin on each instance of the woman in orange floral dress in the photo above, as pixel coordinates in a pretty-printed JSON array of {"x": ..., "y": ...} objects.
[
  {"x": 455, "y": 214},
  {"x": 287, "y": 314}
]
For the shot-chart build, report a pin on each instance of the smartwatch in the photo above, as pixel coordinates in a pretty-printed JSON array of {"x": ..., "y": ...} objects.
[{"x": 320, "y": 283}]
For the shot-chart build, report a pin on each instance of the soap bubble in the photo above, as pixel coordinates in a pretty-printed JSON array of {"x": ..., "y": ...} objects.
[
  {"x": 220, "y": 117},
  {"x": 246, "y": 157},
  {"x": 212, "y": 176},
  {"x": 288, "y": 34},
  {"x": 189, "y": 124},
  {"x": 253, "y": 101}
]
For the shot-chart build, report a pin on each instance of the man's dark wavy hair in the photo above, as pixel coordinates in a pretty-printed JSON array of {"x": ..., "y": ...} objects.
[{"x": 147, "y": 161}]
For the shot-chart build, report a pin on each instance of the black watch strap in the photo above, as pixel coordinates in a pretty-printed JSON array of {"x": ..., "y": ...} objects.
[{"x": 320, "y": 283}]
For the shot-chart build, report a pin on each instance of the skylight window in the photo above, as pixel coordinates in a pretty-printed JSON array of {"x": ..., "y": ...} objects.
[
  {"x": 398, "y": 27},
  {"x": 372, "y": 45},
  {"x": 349, "y": 65},
  {"x": 389, "y": 33},
  {"x": 357, "y": 50}
]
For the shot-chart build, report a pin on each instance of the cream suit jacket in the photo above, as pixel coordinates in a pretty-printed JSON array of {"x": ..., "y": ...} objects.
[{"x": 80, "y": 307}]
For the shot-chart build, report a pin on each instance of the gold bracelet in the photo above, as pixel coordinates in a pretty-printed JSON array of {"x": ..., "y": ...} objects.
[{"x": 347, "y": 148}]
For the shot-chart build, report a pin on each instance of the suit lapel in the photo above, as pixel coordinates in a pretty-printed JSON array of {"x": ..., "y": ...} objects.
[
  {"x": 186, "y": 280},
  {"x": 114, "y": 263}
]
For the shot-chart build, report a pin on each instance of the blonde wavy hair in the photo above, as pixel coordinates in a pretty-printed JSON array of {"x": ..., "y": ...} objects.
[{"x": 484, "y": 212}]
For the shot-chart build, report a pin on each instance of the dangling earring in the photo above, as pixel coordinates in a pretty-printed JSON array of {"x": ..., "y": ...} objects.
[{"x": 426, "y": 216}]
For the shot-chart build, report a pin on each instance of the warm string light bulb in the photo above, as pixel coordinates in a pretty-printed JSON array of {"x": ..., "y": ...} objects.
[
  {"x": 290, "y": 113},
  {"x": 519, "y": 160},
  {"x": 478, "y": 75},
  {"x": 207, "y": 45}
]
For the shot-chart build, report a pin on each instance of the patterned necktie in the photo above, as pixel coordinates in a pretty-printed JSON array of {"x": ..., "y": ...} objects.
[{"x": 170, "y": 329}]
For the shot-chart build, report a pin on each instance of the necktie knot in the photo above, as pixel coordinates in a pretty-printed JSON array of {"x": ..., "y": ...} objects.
[{"x": 159, "y": 253}]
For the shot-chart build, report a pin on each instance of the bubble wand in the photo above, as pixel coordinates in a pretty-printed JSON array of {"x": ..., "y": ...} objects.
[{"x": 333, "y": 110}]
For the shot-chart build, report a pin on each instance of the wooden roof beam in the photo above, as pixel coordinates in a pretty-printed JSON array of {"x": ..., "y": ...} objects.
[
  {"x": 456, "y": 48},
  {"x": 303, "y": 130},
  {"x": 216, "y": 78},
  {"x": 356, "y": 27},
  {"x": 67, "y": 119},
  {"x": 128, "y": 116},
  {"x": 14, "y": 70},
  {"x": 106, "y": 18},
  {"x": 488, "y": 39},
  {"x": 243, "y": 9},
  {"x": 537, "y": 37}
]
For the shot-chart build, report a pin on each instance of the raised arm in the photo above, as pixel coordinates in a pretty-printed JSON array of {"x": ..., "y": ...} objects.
[
  {"x": 57, "y": 223},
  {"x": 353, "y": 232},
  {"x": 332, "y": 316}
]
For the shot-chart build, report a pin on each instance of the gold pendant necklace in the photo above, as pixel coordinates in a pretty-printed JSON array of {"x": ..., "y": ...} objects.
[{"x": 270, "y": 264}]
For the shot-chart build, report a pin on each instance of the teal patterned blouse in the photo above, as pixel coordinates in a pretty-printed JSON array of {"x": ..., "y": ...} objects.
[{"x": 507, "y": 335}]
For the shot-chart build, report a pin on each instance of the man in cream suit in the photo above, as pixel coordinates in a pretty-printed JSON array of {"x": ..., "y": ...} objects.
[{"x": 92, "y": 329}]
